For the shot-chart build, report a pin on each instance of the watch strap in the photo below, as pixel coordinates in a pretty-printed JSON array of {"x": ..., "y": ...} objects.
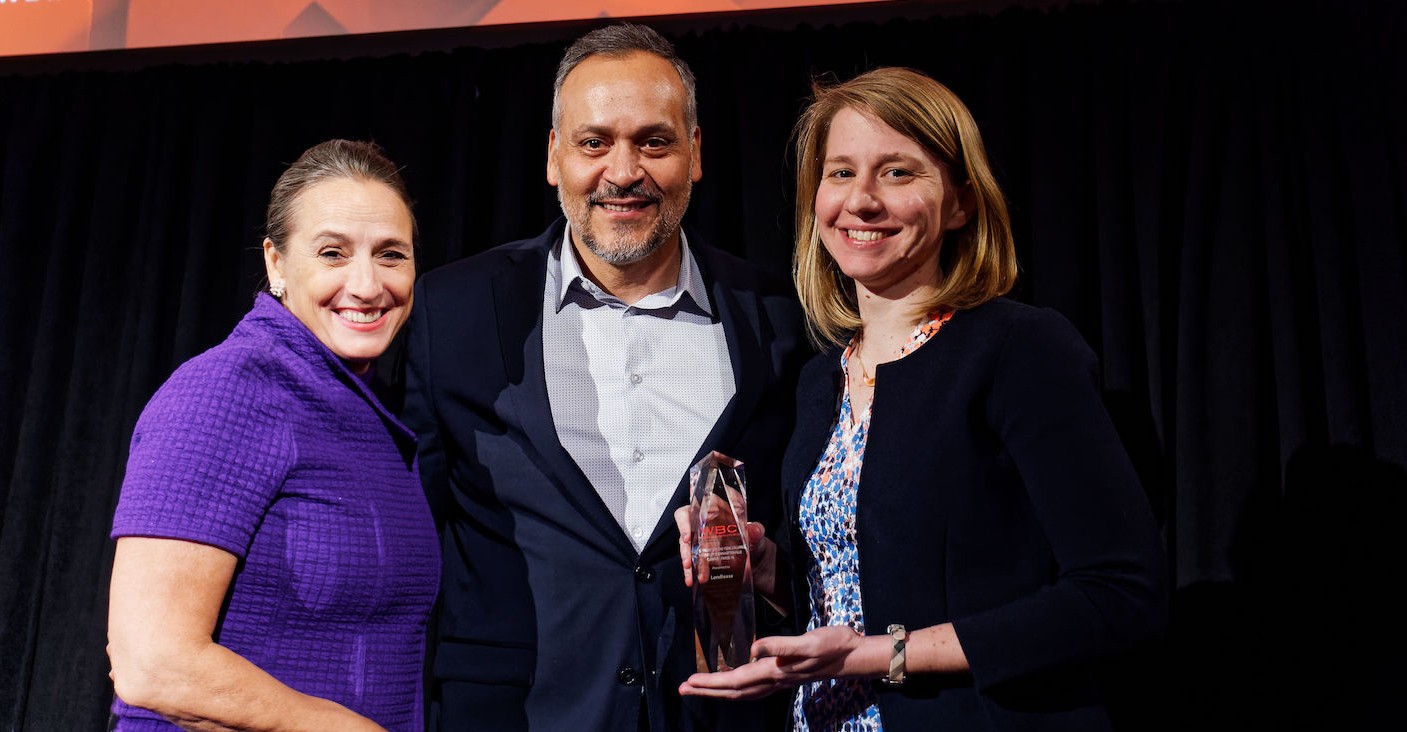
[{"x": 897, "y": 657}]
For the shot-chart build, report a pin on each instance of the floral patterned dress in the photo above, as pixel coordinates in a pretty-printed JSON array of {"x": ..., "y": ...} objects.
[{"x": 827, "y": 521}]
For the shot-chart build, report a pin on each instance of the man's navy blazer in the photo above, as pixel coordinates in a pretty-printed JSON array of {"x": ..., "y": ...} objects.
[{"x": 549, "y": 618}]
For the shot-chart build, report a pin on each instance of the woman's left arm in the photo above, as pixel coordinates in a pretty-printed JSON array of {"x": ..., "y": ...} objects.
[{"x": 1109, "y": 590}]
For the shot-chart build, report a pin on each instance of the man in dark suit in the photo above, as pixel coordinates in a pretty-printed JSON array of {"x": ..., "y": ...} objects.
[{"x": 561, "y": 388}]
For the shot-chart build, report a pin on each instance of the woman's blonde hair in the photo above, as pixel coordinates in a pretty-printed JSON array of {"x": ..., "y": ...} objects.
[{"x": 978, "y": 261}]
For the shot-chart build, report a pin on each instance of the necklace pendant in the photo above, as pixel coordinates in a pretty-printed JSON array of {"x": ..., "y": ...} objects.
[{"x": 869, "y": 380}]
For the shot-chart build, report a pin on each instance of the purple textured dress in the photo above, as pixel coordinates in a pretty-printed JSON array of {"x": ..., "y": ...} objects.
[{"x": 266, "y": 446}]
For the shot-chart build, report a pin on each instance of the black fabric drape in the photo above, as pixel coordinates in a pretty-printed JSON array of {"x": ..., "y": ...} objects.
[{"x": 1213, "y": 192}]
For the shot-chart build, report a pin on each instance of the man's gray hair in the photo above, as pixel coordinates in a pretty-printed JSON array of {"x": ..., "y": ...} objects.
[{"x": 620, "y": 40}]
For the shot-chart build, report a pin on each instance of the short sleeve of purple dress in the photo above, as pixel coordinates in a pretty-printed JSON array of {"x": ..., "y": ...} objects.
[{"x": 267, "y": 447}]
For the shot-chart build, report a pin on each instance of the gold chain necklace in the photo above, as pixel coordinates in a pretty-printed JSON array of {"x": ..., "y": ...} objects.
[{"x": 864, "y": 374}]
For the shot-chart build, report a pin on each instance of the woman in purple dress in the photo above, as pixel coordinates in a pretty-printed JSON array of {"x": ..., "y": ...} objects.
[{"x": 276, "y": 559}]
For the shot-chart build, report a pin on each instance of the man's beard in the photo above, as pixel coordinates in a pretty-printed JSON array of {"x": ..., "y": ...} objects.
[{"x": 620, "y": 249}]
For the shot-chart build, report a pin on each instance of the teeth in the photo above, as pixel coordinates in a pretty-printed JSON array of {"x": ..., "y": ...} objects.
[
  {"x": 864, "y": 235},
  {"x": 617, "y": 207},
  {"x": 360, "y": 317}
]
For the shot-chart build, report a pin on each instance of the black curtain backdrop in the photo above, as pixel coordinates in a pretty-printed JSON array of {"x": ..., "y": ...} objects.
[{"x": 1215, "y": 193}]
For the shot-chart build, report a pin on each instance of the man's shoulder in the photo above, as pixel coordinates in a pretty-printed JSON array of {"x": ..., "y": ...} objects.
[
  {"x": 730, "y": 270},
  {"x": 490, "y": 262}
]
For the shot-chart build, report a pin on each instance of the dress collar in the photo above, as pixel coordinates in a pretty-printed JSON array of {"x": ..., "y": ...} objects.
[{"x": 276, "y": 321}]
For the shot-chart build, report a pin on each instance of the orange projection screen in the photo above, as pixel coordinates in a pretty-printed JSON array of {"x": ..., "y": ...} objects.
[{"x": 63, "y": 26}]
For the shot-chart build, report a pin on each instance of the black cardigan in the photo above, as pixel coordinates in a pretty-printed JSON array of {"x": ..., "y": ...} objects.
[{"x": 995, "y": 494}]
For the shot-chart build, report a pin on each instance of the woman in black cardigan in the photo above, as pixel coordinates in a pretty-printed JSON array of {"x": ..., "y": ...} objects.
[{"x": 971, "y": 533}]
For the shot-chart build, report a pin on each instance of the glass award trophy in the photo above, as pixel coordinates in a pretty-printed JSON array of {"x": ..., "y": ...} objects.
[{"x": 724, "y": 623}]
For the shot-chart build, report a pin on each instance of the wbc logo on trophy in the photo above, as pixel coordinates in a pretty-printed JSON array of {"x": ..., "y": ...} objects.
[{"x": 724, "y": 623}]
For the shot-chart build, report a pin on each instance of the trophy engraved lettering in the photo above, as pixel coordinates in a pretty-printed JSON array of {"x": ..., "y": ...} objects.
[{"x": 724, "y": 623}]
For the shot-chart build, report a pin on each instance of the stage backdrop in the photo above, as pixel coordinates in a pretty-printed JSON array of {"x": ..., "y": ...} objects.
[
  {"x": 1213, "y": 192},
  {"x": 57, "y": 26}
]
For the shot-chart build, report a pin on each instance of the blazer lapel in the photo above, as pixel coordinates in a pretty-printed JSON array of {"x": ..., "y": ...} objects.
[
  {"x": 817, "y": 406},
  {"x": 517, "y": 294},
  {"x": 740, "y": 317}
]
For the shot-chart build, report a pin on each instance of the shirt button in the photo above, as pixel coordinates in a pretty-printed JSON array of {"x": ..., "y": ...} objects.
[
  {"x": 638, "y": 455},
  {"x": 644, "y": 574},
  {"x": 628, "y": 676},
  {"x": 636, "y": 378}
]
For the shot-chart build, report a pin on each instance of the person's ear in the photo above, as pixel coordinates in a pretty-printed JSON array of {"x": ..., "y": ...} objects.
[
  {"x": 964, "y": 206},
  {"x": 554, "y": 175},
  {"x": 696, "y": 157},
  {"x": 273, "y": 263}
]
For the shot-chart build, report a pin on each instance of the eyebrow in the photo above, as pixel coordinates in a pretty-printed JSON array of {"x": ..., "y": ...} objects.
[
  {"x": 330, "y": 234},
  {"x": 658, "y": 128},
  {"x": 344, "y": 239},
  {"x": 886, "y": 158}
]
